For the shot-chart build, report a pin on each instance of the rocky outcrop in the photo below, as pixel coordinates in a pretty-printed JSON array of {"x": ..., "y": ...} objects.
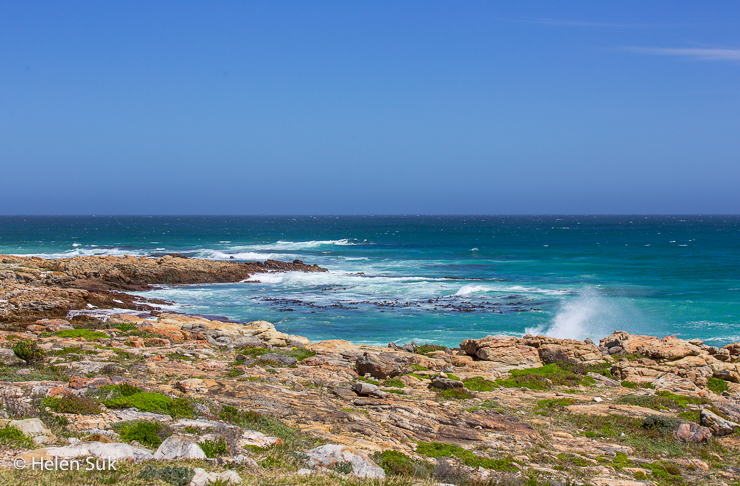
[{"x": 381, "y": 366}]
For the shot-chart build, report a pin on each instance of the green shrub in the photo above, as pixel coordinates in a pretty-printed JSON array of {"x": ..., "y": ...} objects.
[
  {"x": 661, "y": 423},
  {"x": 717, "y": 385},
  {"x": 174, "y": 475},
  {"x": 417, "y": 367},
  {"x": 343, "y": 467},
  {"x": 393, "y": 382},
  {"x": 554, "y": 403},
  {"x": 438, "y": 449},
  {"x": 146, "y": 433},
  {"x": 479, "y": 384},
  {"x": 543, "y": 377},
  {"x": 81, "y": 333},
  {"x": 12, "y": 436},
  {"x": 632, "y": 384},
  {"x": 298, "y": 353},
  {"x": 368, "y": 380},
  {"x": 152, "y": 402},
  {"x": 69, "y": 403},
  {"x": 28, "y": 351},
  {"x": 427, "y": 348},
  {"x": 268, "y": 426},
  {"x": 215, "y": 448},
  {"x": 396, "y": 463},
  {"x": 456, "y": 393}
]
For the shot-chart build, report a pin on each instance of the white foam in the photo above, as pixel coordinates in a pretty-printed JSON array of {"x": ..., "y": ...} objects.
[
  {"x": 590, "y": 315},
  {"x": 104, "y": 314},
  {"x": 92, "y": 251}
]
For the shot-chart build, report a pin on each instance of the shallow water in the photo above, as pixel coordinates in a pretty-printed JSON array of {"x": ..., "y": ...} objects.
[{"x": 438, "y": 279}]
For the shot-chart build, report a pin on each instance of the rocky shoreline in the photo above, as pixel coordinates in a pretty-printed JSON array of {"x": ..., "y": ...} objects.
[{"x": 191, "y": 400}]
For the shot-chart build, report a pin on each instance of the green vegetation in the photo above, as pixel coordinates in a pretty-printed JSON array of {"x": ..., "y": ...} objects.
[
  {"x": 417, "y": 367},
  {"x": 69, "y": 403},
  {"x": 14, "y": 437},
  {"x": 427, "y": 348},
  {"x": 368, "y": 380},
  {"x": 661, "y": 423},
  {"x": 396, "y": 463},
  {"x": 298, "y": 353},
  {"x": 456, "y": 393},
  {"x": 479, "y": 384},
  {"x": 215, "y": 448},
  {"x": 632, "y": 384},
  {"x": 130, "y": 396},
  {"x": 716, "y": 385},
  {"x": 554, "y": 403},
  {"x": 28, "y": 351},
  {"x": 393, "y": 382},
  {"x": 343, "y": 467},
  {"x": 268, "y": 426},
  {"x": 81, "y": 333},
  {"x": 174, "y": 475},
  {"x": 438, "y": 449},
  {"x": 486, "y": 405},
  {"x": 544, "y": 377},
  {"x": 146, "y": 433}
]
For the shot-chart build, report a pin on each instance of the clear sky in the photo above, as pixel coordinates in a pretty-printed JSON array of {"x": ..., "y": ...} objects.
[{"x": 349, "y": 107}]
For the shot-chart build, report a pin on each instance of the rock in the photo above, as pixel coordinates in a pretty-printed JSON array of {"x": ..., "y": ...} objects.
[
  {"x": 445, "y": 383},
  {"x": 328, "y": 455},
  {"x": 54, "y": 325},
  {"x": 602, "y": 380},
  {"x": 719, "y": 426},
  {"x": 191, "y": 385},
  {"x": 689, "y": 432},
  {"x": 380, "y": 367},
  {"x": 202, "y": 477},
  {"x": 506, "y": 351},
  {"x": 278, "y": 359},
  {"x": 727, "y": 375},
  {"x": 175, "y": 448},
  {"x": 101, "y": 450},
  {"x": 8, "y": 358},
  {"x": 34, "y": 428},
  {"x": 365, "y": 389}
]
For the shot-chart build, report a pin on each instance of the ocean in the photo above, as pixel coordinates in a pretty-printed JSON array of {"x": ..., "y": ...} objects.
[{"x": 436, "y": 279}]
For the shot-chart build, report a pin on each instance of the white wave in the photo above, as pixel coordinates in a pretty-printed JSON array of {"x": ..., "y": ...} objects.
[
  {"x": 590, "y": 315},
  {"x": 294, "y": 245},
  {"x": 210, "y": 254},
  {"x": 104, "y": 314},
  {"x": 470, "y": 289},
  {"x": 474, "y": 249},
  {"x": 477, "y": 288},
  {"x": 85, "y": 252}
]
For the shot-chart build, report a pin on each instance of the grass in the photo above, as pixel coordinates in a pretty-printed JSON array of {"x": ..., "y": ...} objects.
[
  {"x": 438, "y": 449},
  {"x": 417, "y": 367},
  {"x": 396, "y": 463},
  {"x": 632, "y": 384},
  {"x": 544, "y": 377},
  {"x": 551, "y": 403},
  {"x": 130, "y": 396},
  {"x": 717, "y": 385},
  {"x": 486, "y": 405},
  {"x": 479, "y": 384},
  {"x": 14, "y": 437},
  {"x": 69, "y": 403},
  {"x": 268, "y": 426},
  {"x": 456, "y": 394},
  {"x": 393, "y": 382},
  {"x": 298, "y": 353},
  {"x": 215, "y": 448},
  {"x": 86, "y": 334},
  {"x": 145, "y": 433}
]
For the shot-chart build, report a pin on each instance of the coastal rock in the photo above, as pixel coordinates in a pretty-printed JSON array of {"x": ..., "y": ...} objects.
[
  {"x": 328, "y": 455},
  {"x": 380, "y": 366},
  {"x": 717, "y": 424},
  {"x": 368, "y": 389},
  {"x": 442, "y": 383},
  {"x": 694, "y": 433},
  {"x": 101, "y": 450},
  {"x": 33, "y": 428},
  {"x": 202, "y": 477},
  {"x": 506, "y": 351},
  {"x": 279, "y": 359},
  {"x": 174, "y": 448}
]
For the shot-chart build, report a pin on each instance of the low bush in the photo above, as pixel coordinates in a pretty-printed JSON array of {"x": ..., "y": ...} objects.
[
  {"x": 298, "y": 353},
  {"x": 130, "y": 396},
  {"x": 174, "y": 475},
  {"x": 28, "y": 351},
  {"x": 661, "y": 423},
  {"x": 544, "y": 377},
  {"x": 427, "y": 348},
  {"x": 479, "y": 384},
  {"x": 438, "y": 449},
  {"x": 150, "y": 434},
  {"x": 215, "y": 448},
  {"x": 396, "y": 463},
  {"x": 717, "y": 385},
  {"x": 69, "y": 403},
  {"x": 14, "y": 437},
  {"x": 551, "y": 403},
  {"x": 268, "y": 426},
  {"x": 393, "y": 382},
  {"x": 456, "y": 393},
  {"x": 86, "y": 334},
  {"x": 632, "y": 384}
]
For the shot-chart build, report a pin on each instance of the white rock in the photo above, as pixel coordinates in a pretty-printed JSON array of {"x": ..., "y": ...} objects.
[
  {"x": 598, "y": 399},
  {"x": 174, "y": 448},
  {"x": 330, "y": 454},
  {"x": 304, "y": 472},
  {"x": 101, "y": 450},
  {"x": 202, "y": 477},
  {"x": 34, "y": 428}
]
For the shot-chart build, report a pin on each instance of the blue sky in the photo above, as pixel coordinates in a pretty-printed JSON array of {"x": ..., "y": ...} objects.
[{"x": 369, "y": 107}]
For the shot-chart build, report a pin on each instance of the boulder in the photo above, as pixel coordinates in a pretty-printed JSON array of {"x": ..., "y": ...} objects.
[
  {"x": 380, "y": 366},
  {"x": 717, "y": 424},
  {"x": 328, "y": 455},
  {"x": 695, "y": 433},
  {"x": 368, "y": 389},
  {"x": 33, "y": 428},
  {"x": 443, "y": 383},
  {"x": 202, "y": 477},
  {"x": 507, "y": 352},
  {"x": 278, "y": 359},
  {"x": 175, "y": 448},
  {"x": 8, "y": 358},
  {"x": 101, "y": 450}
]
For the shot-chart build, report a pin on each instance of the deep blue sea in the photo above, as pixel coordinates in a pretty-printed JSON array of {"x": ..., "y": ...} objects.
[{"x": 437, "y": 279}]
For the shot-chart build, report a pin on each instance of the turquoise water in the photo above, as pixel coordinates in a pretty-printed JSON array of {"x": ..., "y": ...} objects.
[{"x": 438, "y": 279}]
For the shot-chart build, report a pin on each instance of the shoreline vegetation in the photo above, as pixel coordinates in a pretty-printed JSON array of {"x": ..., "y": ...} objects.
[{"x": 177, "y": 399}]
